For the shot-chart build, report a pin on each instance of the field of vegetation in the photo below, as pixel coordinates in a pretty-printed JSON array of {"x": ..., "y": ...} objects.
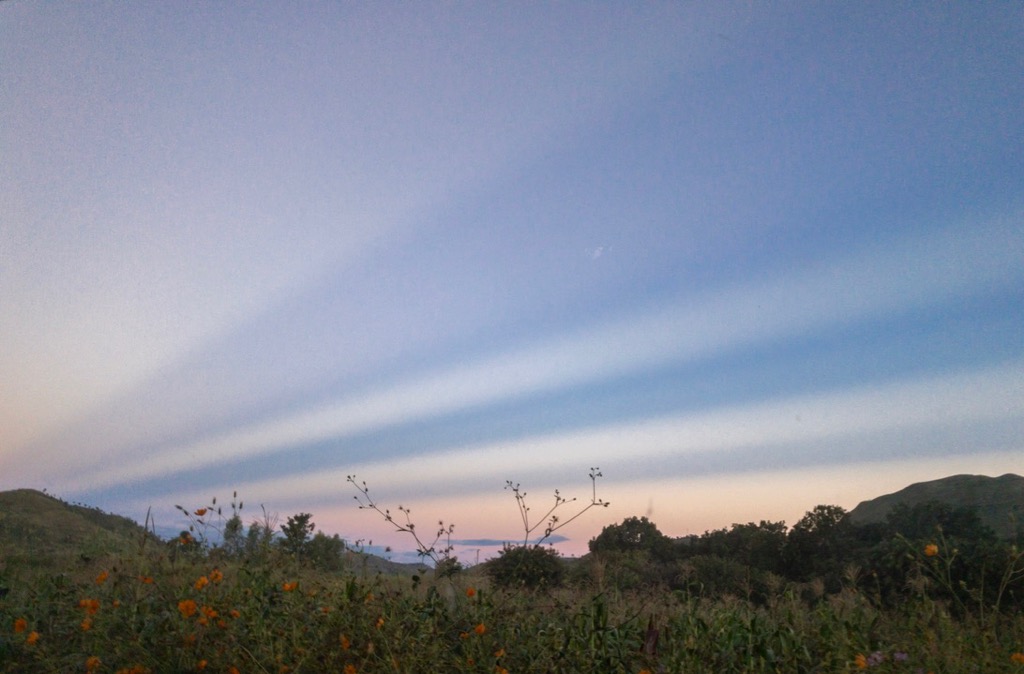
[{"x": 929, "y": 591}]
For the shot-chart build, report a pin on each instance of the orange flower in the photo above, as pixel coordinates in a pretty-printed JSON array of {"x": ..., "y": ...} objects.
[
  {"x": 235, "y": 613},
  {"x": 345, "y": 643},
  {"x": 87, "y": 624},
  {"x": 187, "y": 607},
  {"x": 1018, "y": 658},
  {"x": 498, "y": 669},
  {"x": 200, "y": 512},
  {"x": 102, "y": 578},
  {"x": 147, "y": 580},
  {"x": 350, "y": 669},
  {"x": 289, "y": 587},
  {"x": 92, "y": 663},
  {"x": 202, "y": 582},
  {"x": 480, "y": 629},
  {"x": 500, "y": 653},
  {"x": 233, "y": 670},
  {"x": 860, "y": 662},
  {"x": 208, "y": 612},
  {"x": 470, "y": 592},
  {"x": 32, "y": 637},
  {"x": 931, "y": 550},
  {"x": 216, "y": 576},
  {"x": 20, "y": 625},
  {"x": 91, "y": 606},
  {"x": 380, "y": 622},
  {"x": 201, "y": 665}
]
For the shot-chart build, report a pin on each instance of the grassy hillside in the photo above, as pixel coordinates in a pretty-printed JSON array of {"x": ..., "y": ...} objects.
[
  {"x": 38, "y": 529},
  {"x": 998, "y": 500}
]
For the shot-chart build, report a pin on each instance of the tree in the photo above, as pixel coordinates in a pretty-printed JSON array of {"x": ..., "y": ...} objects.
[
  {"x": 818, "y": 544},
  {"x": 234, "y": 544},
  {"x": 297, "y": 530},
  {"x": 635, "y": 533},
  {"x": 325, "y": 552},
  {"x": 526, "y": 566}
]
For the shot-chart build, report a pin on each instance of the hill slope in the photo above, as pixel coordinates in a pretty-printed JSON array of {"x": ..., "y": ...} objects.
[
  {"x": 37, "y": 528},
  {"x": 998, "y": 500}
]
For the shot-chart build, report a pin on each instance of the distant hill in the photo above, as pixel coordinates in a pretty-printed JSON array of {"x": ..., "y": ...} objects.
[
  {"x": 999, "y": 500},
  {"x": 37, "y": 528},
  {"x": 40, "y": 530}
]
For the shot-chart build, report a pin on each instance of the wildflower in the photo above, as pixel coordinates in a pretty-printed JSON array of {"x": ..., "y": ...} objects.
[
  {"x": 876, "y": 659},
  {"x": 345, "y": 643},
  {"x": 201, "y": 665},
  {"x": 102, "y": 578},
  {"x": 499, "y": 653},
  {"x": 116, "y": 603},
  {"x": 216, "y": 576},
  {"x": 32, "y": 638},
  {"x": 91, "y": 606},
  {"x": 470, "y": 592},
  {"x": 86, "y": 624},
  {"x": 369, "y": 597},
  {"x": 233, "y": 670},
  {"x": 20, "y": 625},
  {"x": 202, "y": 582},
  {"x": 463, "y": 635},
  {"x": 187, "y": 607},
  {"x": 146, "y": 580},
  {"x": 645, "y": 671},
  {"x": 235, "y": 613},
  {"x": 498, "y": 669},
  {"x": 92, "y": 663},
  {"x": 480, "y": 629},
  {"x": 380, "y": 622},
  {"x": 931, "y": 550},
  {"x": 208, "y": 612},
  {"x": 1018, "y": 658},
  {"x": 860, "y": 662},
  {"x": 900, "y": 656},
  {"x": 200, "y": 512},
  {"x": 350, "y": 669},
  {"x": 289, "y": 587}
]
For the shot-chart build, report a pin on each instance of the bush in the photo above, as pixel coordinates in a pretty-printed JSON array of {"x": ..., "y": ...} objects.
[{"x": 529, "y": 566}]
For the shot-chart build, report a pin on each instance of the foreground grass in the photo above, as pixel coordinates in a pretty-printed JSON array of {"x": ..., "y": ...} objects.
[{"x": 157, "y": 613}]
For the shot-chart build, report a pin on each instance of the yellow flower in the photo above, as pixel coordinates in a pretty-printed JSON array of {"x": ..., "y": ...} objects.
[
  {"x": 102, "y": 578},
  {"x": 931, "y": 550},
  {"x": 1018, "y": 658},
  {"x": 20, "y": 625},
  {"x": 470, "y": 592},
  {"x": 860, "y": 662},
  {"x": 288, "y": 587},
  {"x": 480, "y": 629},
  {"x": 187, "y": 607},
  {"x": 202, "y": 582},
  {"x": 32, "y": 637}
]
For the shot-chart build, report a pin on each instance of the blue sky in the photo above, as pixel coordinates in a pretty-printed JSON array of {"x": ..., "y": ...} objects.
[{"x": 744, "y": 259}]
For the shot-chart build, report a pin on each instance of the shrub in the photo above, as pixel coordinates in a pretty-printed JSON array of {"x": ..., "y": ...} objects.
[{"x": 526, "y": 566}]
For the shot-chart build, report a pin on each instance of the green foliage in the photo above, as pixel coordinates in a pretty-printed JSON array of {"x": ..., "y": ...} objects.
[
  {"x": 633, "y": 534},
  {"x": 297, "y": 530},
  {"x": 325, "y": 552},
  {"x": 526, "y": 566}
]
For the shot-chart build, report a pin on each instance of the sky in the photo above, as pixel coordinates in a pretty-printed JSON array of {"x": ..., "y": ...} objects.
[{"x": 744, "y": 258}]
